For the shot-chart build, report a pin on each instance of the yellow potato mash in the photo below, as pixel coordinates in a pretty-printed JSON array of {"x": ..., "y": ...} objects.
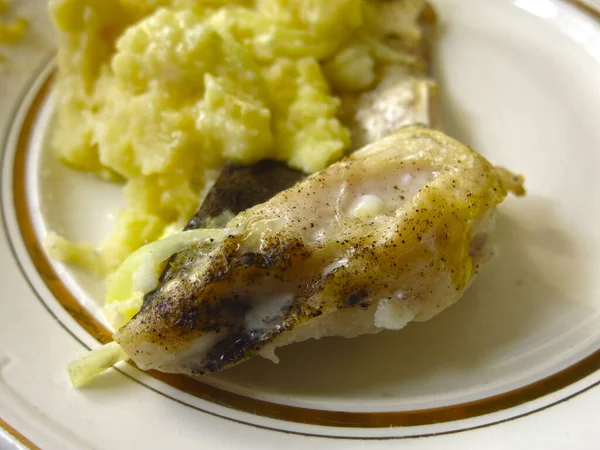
[
  {"x": 12, "y": 29},
  {"x": 159, "y": 93}
]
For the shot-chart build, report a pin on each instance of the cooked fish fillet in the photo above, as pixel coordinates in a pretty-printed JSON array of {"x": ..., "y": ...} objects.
[{"x": 393, "y": 233}]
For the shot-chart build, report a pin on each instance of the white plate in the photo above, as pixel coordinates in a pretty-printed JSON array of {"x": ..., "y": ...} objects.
[{"x": 513, "y": 364}]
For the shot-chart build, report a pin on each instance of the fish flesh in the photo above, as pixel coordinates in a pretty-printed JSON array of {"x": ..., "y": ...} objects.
[
  {"x": 393, "y": 233},
  {"x": 401, "y": 98}
]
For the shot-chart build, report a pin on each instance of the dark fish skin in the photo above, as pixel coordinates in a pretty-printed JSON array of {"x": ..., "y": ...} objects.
[
  {"x": 241, "y": 187},
  {"x": 237, "y": 189}
]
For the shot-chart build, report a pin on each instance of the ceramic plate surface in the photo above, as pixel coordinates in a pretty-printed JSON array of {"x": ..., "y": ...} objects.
[{"x": 515, "y": 363}]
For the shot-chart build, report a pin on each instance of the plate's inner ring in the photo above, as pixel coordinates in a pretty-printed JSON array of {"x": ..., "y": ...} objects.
[
  {"x": 200, "y": 389},
  {"x": 239, "y": 402}
]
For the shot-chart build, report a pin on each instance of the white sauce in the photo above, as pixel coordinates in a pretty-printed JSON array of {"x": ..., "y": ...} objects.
[
  {"x": 365, "y": 206},
  {"x": 268, "y": 308},
  {"x": 371, "y": 197},
  {"x": 406, "y": 179},
  {"x": 151, "y": 356},
  {"x": 395, "y": 312}
]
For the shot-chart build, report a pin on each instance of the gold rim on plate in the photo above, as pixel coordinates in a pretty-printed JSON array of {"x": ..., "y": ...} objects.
[
  {"x": 238, "y": 402},
  {"x": 243, "y": 403}
]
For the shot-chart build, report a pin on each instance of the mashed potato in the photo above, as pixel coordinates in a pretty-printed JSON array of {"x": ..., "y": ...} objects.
[
  {"x": 159, "y": 93},
  {"x": 12, "y": 29}
]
